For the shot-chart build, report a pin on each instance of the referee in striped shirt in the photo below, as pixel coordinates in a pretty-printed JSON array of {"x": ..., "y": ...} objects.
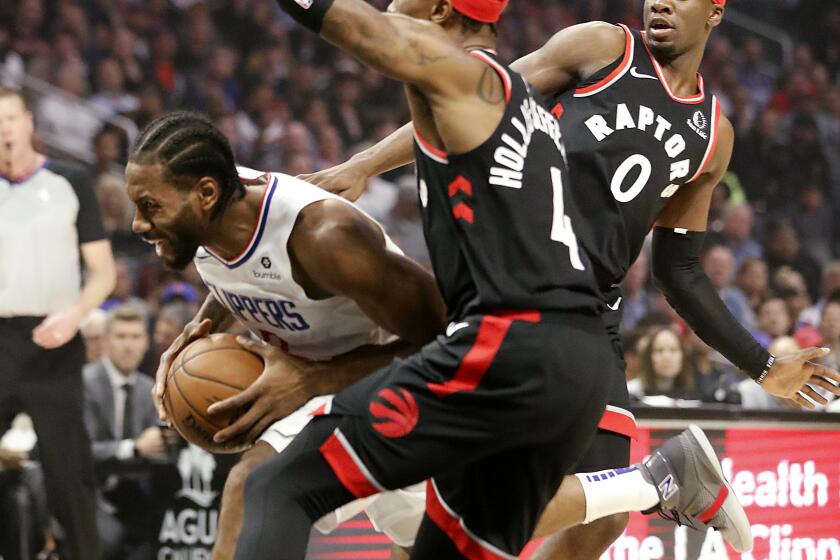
[{"x": 48, "y": 216}]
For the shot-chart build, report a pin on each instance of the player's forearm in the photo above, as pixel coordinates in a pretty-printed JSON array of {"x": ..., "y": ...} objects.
[
  {"x": 677, "y": 273},
  {"x": 340, "y": 372},
  {"x": 218, "y": 314},
  {"x": 395, "y": 150}
]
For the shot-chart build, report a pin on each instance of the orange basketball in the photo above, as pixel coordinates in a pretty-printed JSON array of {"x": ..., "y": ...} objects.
[{"x": 208, "y": 370}]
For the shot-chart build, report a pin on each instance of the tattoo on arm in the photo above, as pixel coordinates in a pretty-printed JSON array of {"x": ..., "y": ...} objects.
[{"x": 489, "y": 89}]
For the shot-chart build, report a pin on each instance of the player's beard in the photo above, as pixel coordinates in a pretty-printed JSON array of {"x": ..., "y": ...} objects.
[{"x": 183, "y": 240}]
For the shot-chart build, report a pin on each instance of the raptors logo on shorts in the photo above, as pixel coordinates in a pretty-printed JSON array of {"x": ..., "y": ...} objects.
[{"x": 394, "y": 414}]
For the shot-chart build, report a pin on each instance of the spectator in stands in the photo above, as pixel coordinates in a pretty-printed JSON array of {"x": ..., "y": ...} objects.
[
  {"x": 790, "y": 286},
  {"x": 714, "y": 375},
  {"x": 46, "y": 221},
  {"x": 636, "y": 300},
  {"x": 124, "y": 292},
  {"x": 63, "y": 118},
  {"x": 110, "y": 150},
  {"x": 93, "y": 333},
  {"x": 719, "y": 264},
  {"x": 117, "y": 212},
  {"x": 633, "y": 343},
  {"x": 830, "y": 331},
  {"x": 737, "y": 233},
  {"x": 755, "y": 73},
  {"x": 12, "y": 68},
  {"x": 664, "y": 368},
  {"x": 813, "y": 217},
  {"x": 784, "y": 248},
  {"x": 753, "y": 281},
  {"x": 829, "y": 285},
  {"x": 111, "y": 96},
  {"x": 122, "y": 422},
  {"x": 124, "y": 50},
  {"x": 773, "y": 320},
  {"x": 169, "y": 324}
]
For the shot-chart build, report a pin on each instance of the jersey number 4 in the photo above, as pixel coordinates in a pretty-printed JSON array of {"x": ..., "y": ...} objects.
[{"x": 561, "y": 224}]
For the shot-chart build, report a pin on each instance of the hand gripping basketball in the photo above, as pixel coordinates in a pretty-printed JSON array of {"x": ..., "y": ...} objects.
[
  {"x": 209, "y": 370},
  {"x": 192, "y": 331},
  {"x": 280, "y": 390}
]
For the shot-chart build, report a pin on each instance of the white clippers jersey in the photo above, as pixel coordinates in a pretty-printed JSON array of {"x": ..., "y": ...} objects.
[{"x": 258, "y": 288}]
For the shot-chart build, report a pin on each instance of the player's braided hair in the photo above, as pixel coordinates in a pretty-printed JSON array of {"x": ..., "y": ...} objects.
[{"x": 189, "y": 146}]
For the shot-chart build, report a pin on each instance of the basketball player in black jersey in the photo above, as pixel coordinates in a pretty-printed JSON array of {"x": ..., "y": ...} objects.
[
  {"x": 494, "y": 410},
  {"x": 645, "y": 145}
]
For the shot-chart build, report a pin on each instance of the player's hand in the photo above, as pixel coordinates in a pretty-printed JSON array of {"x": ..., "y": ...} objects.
[
  {"x": 192, "y": 331},
  {"x": 277, "y": 392},
  {"x": 347, "y": 180},
  {"x": 796, "y": 375},
  {"x": 150, "y": 443},
  {"x": 57, "y": 329}
]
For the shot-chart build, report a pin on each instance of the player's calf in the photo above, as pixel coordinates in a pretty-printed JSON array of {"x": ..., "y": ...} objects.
[
  {"x": 230, "y": 516},
  {"x": 583, "y": 542}
]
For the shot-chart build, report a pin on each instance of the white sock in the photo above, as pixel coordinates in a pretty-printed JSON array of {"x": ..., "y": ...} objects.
[{"x": 616, "y": 491}]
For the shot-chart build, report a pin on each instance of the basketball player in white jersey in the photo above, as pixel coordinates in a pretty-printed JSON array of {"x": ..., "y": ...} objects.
[{"x": 303, "y": 269}]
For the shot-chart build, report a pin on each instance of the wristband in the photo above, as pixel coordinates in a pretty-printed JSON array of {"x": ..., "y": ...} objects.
[
  {"x": 770, "y": 361},
  {"x": 308, "y": 13}
]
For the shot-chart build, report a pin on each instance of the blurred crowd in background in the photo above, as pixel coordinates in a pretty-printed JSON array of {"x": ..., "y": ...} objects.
[{"x": 101, "y": 69}]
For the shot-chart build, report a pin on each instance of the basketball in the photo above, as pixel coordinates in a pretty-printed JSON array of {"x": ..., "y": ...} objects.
[{"x": 208, "y": 370}]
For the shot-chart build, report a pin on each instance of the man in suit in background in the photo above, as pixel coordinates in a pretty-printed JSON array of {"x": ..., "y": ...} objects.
[{"x": 122, "y": 423}]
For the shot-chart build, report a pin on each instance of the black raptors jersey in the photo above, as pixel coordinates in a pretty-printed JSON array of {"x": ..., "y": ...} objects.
[
  {"x": 631, "y": 145},
  {"x": 498, "y": 220}
]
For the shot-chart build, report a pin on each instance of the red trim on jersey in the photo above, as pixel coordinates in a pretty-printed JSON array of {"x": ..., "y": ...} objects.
[
  {"x": 347, "y": 466},
  {"x": 463, "y": 212},
  {"x": 619, "y": 421},
  {"x": 713, "y": 132},
  {"x": 260, "y": 218},
  {"x": 488, "y": 340},
  {"x": 453, "y": 526},
  {"x": 617, "y": 72},
  {"x": 500, "y": 70},
  {"x": 716, "y": 505},
  {"x": 435, "y": 153},
  {"x": 698, "y": 98}
]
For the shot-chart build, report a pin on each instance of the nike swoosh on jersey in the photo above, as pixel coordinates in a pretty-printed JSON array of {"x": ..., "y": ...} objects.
[
  {"x": 614, "y": 306},
  {"x": 635, "y": 74},
  {"x": 452, "y": 328}
]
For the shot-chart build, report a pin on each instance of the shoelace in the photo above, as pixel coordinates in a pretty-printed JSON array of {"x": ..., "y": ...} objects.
[{"x": 677, "y": 517}]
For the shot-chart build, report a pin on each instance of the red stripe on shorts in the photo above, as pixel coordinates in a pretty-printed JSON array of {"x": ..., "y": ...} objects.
[
  {"x": 616, "y": 422},
  {"x": 491, "y": 334},
  {"x": 448, "y": 522},
  {"x": 346, "y": 468}
]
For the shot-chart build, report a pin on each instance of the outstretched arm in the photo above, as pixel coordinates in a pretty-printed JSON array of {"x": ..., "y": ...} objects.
[
  {"x": 572, "y": 54},
  {"x": 401, "y": 47},
  {"x": 677, "y": 241}
]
